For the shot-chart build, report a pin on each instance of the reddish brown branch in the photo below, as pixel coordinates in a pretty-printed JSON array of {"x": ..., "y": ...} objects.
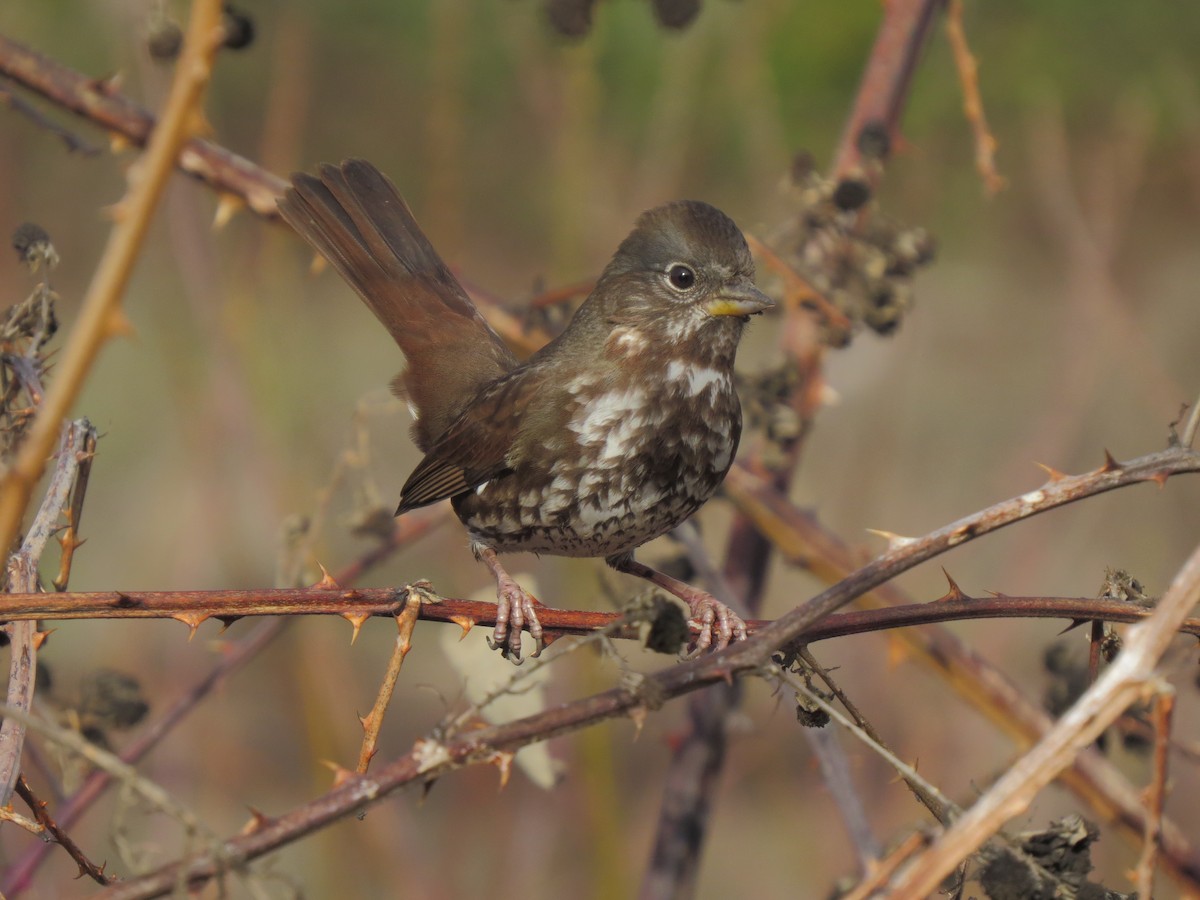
[
  {"x": 196, "y": 607},
  {"x": 101, "y": 104},
  {"x": 884, "y": 87}
]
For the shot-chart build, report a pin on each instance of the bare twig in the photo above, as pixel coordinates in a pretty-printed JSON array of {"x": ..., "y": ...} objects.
[
  {"x": 1129, "y": 678},
  {"x": 968, "y": 78},
  {"x": 69, "y": 539},
  {"x": 86, "y": 866},
  {"x": 1156, "y": 793},
  {"x": 933, "y": 801},
  {"x": 100, "y": 103},
  {"x": 72, "y": 141},
  {"x": 1188, "y": 437},
  {"x": 373, "y": 721},
  {"x": 100, "y": 317},
  {"x": 142, "y": 787},
  {"x": 19, "y": 874},
  {"x": 886, "y": 867},
  {"x": 837, "y": 779},
  {"x": 922, "y": 786}
]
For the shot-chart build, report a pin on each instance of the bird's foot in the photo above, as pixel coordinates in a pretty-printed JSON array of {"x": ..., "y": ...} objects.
[
  {"x": 714, "y": 623},
  {"x": 516, "y": 611}
]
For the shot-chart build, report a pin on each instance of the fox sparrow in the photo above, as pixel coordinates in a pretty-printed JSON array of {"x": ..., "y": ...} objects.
[{"x": 610, "y": 435}]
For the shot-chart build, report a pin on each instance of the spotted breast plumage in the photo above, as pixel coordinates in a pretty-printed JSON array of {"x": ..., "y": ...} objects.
[{"x": 609, "y": 436}]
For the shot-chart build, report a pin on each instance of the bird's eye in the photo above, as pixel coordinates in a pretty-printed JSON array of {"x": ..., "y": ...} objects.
[{"x": 682, "y": 277}]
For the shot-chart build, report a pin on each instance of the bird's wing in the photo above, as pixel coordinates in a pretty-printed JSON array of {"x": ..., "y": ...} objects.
[{"x": 475, "y": 449}]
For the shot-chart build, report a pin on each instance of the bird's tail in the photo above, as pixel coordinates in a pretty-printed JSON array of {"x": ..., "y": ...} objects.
[{"x": 354, "y": 216}]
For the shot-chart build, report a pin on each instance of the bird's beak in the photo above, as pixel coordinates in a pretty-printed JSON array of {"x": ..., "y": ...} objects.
[{"x": 741, "y": 298}]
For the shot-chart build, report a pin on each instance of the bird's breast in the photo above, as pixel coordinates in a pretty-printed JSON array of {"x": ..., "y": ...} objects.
[{"x": 636, "y": 456}]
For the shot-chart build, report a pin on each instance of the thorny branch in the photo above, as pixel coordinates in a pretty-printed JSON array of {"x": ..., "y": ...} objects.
[
  {"x": 86, "y": 866},
  {"x": 1132, "y": 676},
  {"x": 431, "y": 758},
  {"x": 100, "y": 316},
  {"x": 100, "y": 103},
  {"x": 193, "y": 608}
]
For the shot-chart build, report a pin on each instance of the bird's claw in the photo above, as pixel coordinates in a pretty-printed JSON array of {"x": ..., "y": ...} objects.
[
  {"x": 517, "y": 608},
  {"x": 713, "y": 619}
]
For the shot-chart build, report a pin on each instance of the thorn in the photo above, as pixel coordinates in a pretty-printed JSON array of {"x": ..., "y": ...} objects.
[
  {"x": 258, "y": 821},
  {"x": 118, "y": 143},
  {"x": 226, "y": 621},
  {"x": 502, "y": 761},
  {"x": 727, "y": 675},
  {"x": 318, "y": 265},
  {"x": 425, "y": 790},
  {"x": 340, "y": 775},
  {"x": 109, "y": 84},
  {"x": 827, "y": 395},
  {"x": 115, "y": 212},
  {"x": 895, "y": 541},
  {"x": 466, "y": 623},
  {"x": 365, "y": 721},
  {"x": 198, "y": 124},
  {"x": 1160, "y": 478},
  {"x": 119, "y": 325},
  {"x": 915, "y": 765},
  {"x": 40, "y": 638},
  {"x": 637, "y": 715},
  {"x": 1110, "y": 464},
  {"x": 356, "y": 620},
  {"x": 227, "y": 207},
  {"x": 954, "y": 593},
  {"x": 192, "y": 620},
  {"x": 326, "y": 583},
  {"x": 1054, "y": 474},
  {"x": 1075, "y": 623}
]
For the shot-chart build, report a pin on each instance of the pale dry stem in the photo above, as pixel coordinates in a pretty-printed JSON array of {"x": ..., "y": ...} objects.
[
  {"x": 1128, "y": 679},
  {"x": 100, "y": 316},
  {"x": 406, "y": 620}
]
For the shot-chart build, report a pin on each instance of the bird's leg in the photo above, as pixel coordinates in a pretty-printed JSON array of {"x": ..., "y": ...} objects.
[
  {"x": 709, "y": 614},
  {"x": 515, "y": 607}
]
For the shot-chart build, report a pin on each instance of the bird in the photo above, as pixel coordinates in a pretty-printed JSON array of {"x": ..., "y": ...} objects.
[{"x": 612, "y": 434}]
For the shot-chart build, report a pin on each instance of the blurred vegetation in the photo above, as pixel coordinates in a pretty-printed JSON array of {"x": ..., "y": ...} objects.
[{"x": 527, "y": 156}]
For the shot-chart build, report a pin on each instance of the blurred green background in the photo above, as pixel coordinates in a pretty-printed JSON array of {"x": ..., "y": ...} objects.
[{"x": 1059, "y": 319}]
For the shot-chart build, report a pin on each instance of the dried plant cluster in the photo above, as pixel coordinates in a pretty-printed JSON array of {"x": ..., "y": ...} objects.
[
  {"x": 836, "y": 264},
  {"x": 24, "y": 332}
]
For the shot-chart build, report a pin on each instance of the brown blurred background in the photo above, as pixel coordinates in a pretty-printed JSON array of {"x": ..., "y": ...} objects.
[{"x": 1059, "y": 319}]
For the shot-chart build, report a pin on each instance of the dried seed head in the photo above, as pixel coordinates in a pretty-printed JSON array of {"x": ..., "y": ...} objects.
[{"x": 33, "y": 246}]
